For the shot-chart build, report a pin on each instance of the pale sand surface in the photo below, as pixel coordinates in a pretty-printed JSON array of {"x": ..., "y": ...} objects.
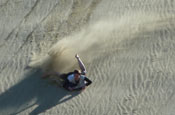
[{"x": 126, "y": 45}]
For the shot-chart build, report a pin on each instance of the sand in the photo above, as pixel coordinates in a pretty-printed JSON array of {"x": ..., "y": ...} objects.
[{"x": 127, "y": 47}]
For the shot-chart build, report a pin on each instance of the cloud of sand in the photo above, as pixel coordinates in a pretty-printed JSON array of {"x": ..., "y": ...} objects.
[{"x": 95, "y": 40}]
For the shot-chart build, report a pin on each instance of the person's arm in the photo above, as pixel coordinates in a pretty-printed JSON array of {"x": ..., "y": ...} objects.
[{"x": 81, "y": 65}]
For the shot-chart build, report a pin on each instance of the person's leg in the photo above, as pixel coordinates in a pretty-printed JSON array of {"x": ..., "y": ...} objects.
[{"x": 81, "y": 65}]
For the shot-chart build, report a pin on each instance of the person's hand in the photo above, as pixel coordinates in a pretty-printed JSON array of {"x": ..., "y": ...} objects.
[{"x": 77, "y": 56}]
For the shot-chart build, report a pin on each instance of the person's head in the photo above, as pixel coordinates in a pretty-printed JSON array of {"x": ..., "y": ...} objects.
[{"x": 76, "y": 75}]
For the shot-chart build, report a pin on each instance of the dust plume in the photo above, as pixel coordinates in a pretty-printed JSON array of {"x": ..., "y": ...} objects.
[{"x": 95, "y": 40}]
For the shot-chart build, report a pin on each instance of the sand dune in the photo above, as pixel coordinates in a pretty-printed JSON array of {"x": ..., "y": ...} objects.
[{"x": 127, "y": 47}]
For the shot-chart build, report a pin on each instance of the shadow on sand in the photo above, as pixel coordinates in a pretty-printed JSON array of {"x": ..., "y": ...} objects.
[{"x": 33, "y": 91}]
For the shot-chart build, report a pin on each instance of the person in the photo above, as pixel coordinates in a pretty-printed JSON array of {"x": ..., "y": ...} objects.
[{"x": 75, "y": 80}]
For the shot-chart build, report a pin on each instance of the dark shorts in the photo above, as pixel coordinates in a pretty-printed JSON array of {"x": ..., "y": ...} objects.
[
  {"x": 63, "y": 76},
  {"x": 66, "y": 83}
]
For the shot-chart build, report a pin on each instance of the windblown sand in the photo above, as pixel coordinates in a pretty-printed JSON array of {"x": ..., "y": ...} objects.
[{"x": 127, "y": 47}]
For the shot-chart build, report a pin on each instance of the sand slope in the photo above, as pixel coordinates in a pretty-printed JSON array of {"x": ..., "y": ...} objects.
[{"x": 127, "y": 47}]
